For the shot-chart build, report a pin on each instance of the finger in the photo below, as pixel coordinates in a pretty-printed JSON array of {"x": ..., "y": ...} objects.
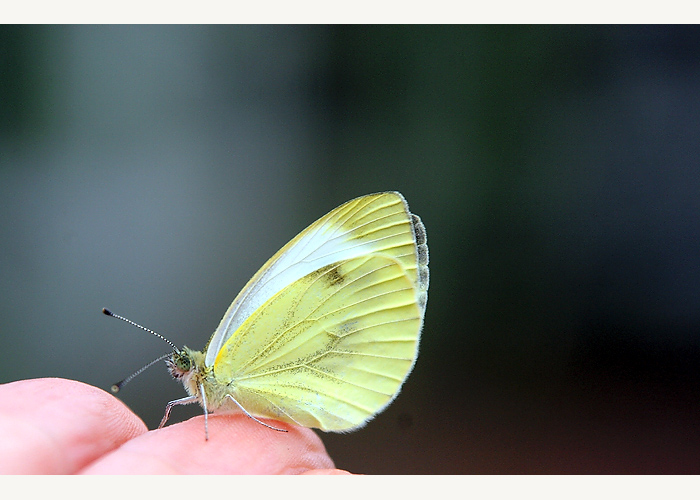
[
  {"x": 236, "y": 445},
  {"x": 58, "y": 426}
]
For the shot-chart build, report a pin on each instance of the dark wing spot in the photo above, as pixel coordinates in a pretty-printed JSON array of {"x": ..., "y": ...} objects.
[{"x": 332, "y": 275}]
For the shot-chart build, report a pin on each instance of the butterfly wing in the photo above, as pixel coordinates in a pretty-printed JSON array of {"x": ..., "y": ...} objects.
[
  {"x": 330, "y": 350},
  {"x": 378, "y": 223}
]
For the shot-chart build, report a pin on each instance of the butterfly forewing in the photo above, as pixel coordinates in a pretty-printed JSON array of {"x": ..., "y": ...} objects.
[{"x": 371, "y": 224}]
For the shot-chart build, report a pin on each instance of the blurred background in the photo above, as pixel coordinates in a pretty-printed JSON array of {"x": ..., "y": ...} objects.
[{"x": 153, "y": 169}]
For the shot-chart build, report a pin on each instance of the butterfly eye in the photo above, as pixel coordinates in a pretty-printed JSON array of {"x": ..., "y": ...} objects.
[
  {"x": 182, "y": 361},
  {"x": 179, "y": 364}
]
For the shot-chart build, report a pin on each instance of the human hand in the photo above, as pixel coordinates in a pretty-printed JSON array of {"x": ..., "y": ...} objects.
[{"x": 59, "y": 426}]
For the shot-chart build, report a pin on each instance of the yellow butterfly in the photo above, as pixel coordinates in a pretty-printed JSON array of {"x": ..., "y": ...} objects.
[{"x": 326, "y": 332}]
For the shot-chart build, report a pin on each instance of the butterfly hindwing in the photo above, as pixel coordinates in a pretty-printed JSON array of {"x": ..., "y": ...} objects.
[{"x": 329, "y": 350}]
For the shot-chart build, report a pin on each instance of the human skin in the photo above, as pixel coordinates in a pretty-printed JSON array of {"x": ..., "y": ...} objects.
[{"x": 60, "y": 426}]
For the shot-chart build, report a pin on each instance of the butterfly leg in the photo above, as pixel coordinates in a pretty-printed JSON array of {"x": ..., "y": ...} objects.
[
  {"x": 206, "y": 411},
  {"x": 169, "y": 406},
  {"x": 251, "y": 416}
]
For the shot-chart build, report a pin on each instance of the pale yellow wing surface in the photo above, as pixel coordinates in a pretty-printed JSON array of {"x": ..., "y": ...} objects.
[
  {"x": 333, "y": 348},
  {"x": 372, "y": 224}
]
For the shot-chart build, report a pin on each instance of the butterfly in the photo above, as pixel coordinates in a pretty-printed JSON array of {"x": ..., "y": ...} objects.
[{"x": 326, "y": 332}]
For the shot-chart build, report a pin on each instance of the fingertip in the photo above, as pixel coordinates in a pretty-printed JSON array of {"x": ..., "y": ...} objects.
[{"x": 57, "y": 426}]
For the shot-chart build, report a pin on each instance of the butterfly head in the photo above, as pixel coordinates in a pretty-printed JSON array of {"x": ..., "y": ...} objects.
[
  {"x": 187, "y": 366},
  {"x": 183, "y": 363}
]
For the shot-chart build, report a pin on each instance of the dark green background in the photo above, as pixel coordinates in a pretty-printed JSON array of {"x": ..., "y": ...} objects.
[{"x": 153, "y": 169}]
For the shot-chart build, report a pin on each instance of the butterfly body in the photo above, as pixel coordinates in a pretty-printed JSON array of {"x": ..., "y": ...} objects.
[{"x": 326, "y": 332}]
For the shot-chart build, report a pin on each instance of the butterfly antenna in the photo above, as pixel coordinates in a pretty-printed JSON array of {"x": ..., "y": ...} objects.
[
  {"x": 117, "y": 387},
  {"x": 110, "y": 313}
]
